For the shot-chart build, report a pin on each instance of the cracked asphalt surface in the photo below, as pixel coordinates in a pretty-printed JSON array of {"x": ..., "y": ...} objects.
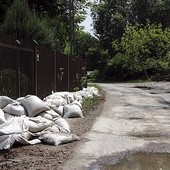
[{"x": 135, "y": 118}]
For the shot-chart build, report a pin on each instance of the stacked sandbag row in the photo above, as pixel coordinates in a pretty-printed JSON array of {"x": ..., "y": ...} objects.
[
  {"x": 69, "y": 104},
  {"x": 29, "y": 120}
]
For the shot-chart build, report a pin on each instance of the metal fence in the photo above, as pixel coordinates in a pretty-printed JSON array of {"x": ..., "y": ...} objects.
[{"x": 34, "y": 69}]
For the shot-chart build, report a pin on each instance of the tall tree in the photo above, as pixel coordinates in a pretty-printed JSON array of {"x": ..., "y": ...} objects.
[
  {"x": 156, "y": 11},
  {"x": 109, "y": 21}
]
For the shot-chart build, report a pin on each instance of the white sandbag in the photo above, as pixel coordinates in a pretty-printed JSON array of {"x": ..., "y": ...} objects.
[
  {"x": 33, "y": 105},
  {"x": 15, "y": 109},
  {"x": 59, "y": 94},
  {"x": 24, "y": 139},
  {"x": 94, "y": 90},
  {"x": 8, "y": 116},
  {"x": 52, "y": 113},
  {"x": 15, "y": 125},
  {"x": 37, "y": 124},
  {"x": 62, "y": 124},
  {"x": 69, "y": 97},
  {"x": 58, "y": 138},
  {"x": 73, "y": 111},
  {"x": 78, "y": 96},
  {"x": 6, "y": 141},
  {"x": 4, "y": 100},
  {"x": 58, "y": 101},
  {"x": 2, "y": 117},
  {"x": 86, "y": 94},
  {"x": 46, "y": 115},
  {"x": 78, "y": 103},
  {"x": 60, "y": 110},
  {"x": 52, "y": 129}
]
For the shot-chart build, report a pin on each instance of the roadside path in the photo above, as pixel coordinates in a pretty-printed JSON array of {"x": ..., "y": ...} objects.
[{"x": 133, "y": 119}]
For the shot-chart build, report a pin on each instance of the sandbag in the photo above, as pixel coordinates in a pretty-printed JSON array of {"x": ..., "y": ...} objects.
[
  {"x": 15, "y": 109},
  {"x": 62, "y": 124},
  {"x": 55, "y": 102},
  {"x": 94, "y": 90},
  {"x": 58, "y": 138},
  {"x": 25, "y": 139},
  {"x": 52, "y": 113},
  {"x": 52, "y": 129},
  {"x": 86, "y": 94},
  {"x": 33, "y": 105},
  {"x": 37, "y": 124},
  {"x": 46, "y": 115},
  {"x": 78, "y": 96},
  {"x": 73, "y": 111},
  {"x": 6, "y": 141},
  {"x": 60, "y": 110},
  {"x": 15, "y": 125},
  {"x": 4, "y": 100},
  {"x": 2, "y": 117}
]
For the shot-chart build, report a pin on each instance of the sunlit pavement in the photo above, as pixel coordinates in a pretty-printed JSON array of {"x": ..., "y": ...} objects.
[{"x": 133, "y": 119}]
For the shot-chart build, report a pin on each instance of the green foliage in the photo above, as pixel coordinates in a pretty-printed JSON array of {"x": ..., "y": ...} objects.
[
  {"x": 157, "y": 11},
  {"x": 142, "y": 51},
  {"x": 20, "y": 23},
  {"x": 94, "y": 75},
  {"x": 109, "y": 18},
  {"x": 89, "y": 104}
]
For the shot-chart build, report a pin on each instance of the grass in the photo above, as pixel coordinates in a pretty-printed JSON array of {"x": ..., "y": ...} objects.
[{"x": 90, "y": 104}]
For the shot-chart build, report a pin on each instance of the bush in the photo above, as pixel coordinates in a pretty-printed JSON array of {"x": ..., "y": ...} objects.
[{"x": 142, "y": 51}]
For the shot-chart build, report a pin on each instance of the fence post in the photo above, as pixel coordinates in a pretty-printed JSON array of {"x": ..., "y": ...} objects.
[
  {"x": 18, "y": 70},
  {"x": 35, "y": 67},
  {"x": 55, "y": 71}
]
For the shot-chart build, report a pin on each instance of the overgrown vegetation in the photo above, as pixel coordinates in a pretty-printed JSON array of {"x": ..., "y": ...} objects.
[
  {"x": 90, "y": 104},
  {"x": 135, "y": 34},
  {"x": 142, "y": 52}
]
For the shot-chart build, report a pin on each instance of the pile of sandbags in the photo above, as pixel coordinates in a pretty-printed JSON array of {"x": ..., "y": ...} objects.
[
  {"x": 68, "y": 104},
  {"x": 29, "y": 120}
]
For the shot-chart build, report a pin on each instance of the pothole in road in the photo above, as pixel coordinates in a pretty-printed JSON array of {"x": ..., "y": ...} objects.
[
  {"x": 140, "y": 161},
  {"x": 146, "y": 135},
  {"x": 144, "y": 87}
]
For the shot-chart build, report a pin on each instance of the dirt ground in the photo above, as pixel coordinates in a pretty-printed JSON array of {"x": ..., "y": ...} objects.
[{"x": 42, "y": 156}]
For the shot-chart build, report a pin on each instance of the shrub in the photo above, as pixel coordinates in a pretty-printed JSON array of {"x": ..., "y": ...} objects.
[{"x": 142, "y": 51}]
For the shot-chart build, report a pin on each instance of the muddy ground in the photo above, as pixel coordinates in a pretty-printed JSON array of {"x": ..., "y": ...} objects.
[{"x": 42, "y": 156}]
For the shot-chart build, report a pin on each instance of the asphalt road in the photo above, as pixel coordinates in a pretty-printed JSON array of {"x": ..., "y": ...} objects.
[{"x": 133, "y": 120}]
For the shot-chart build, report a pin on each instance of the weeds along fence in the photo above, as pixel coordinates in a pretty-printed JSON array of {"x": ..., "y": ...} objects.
[{"x": 34, "y": 69}]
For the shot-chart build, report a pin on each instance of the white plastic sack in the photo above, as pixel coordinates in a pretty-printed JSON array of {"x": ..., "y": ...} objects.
[
  {"x": 78, "y": 96},
  {"x": 6, "y": 141},
  {"x": 15, "y": 125},
  {"x": 25, "y": 139},
  {"x": 52, "y": 113},
  {"x": 73, "y": 111},
  {"x": 86, "y": 94},
  {"x": 4, "y": 100},
  {"x": 55, "y": 102},
  {"x": 94, "y": 90},
  {"x": 46, "y": 115},
  {"x": 15, "y": 109},
  {"x": 60, "y": 110},
  {"x": 33, "y": 105},
  {"x": 2, "y": 117},
  {"x": 52, "y": 129},
  {"x": 62, "y": 124},
  {"x": 37, "y": 124},
  {"x": 58, "y": 138}
]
